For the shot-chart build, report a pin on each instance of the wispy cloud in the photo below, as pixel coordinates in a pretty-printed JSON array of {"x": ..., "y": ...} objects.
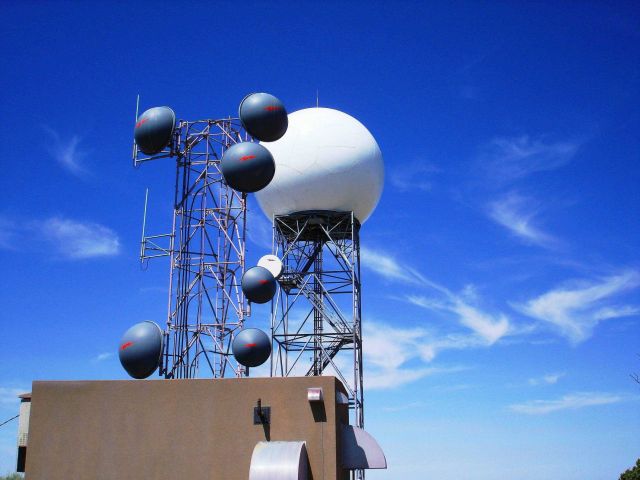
[
  {"x": 103, "y": 356},
  {"x": 7, "y": 234},
  {"x": 432, "y": 345},
  {"x": 389, "y": 378},
  {"x": 508, "y": 159},
  {"x": 548, "y": 379},
  {"x": 388, "y": 267},
  {"x": 568, "y": 402},
  {"x": 489, "y": 327},
  {"x": 78, "y": 240},
  {"x": 517, "y": 214},
  {"x": 452, "y": 388},
  {"x": 404, "y": 406},
  {"x": 9, "y": 396},
  {"x": 388, "y": 351},
  {"x": 68, "y": 153},
  {"x": 575, "y": 310},
  {"x": 413, "y": 177},
  {"x": 71, "y": 238}
]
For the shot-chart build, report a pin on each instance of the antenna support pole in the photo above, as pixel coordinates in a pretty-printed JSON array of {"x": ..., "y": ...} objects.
[{"x": 206, "y": 250}]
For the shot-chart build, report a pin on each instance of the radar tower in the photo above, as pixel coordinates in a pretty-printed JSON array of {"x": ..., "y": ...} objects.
[{"x": 317, "y": 306}]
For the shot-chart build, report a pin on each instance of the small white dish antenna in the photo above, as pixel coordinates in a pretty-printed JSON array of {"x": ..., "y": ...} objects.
[{"x": 271, "y": 263}]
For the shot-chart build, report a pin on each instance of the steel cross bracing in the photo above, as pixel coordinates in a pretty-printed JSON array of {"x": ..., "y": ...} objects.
[
  {"x": 206, "y": 248},
  {"x": 316, "y": 314}
]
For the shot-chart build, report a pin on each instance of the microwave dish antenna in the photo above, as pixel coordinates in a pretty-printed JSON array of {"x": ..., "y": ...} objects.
[
  {"x": 154, "y": 129},
  {"x": 259, "y": 285},
  {"x": 263, "y": 116},
  {"x": 247, "y": 167},
  {"x": 140, "y": 350},
  {"x": 251, "y": 347}
]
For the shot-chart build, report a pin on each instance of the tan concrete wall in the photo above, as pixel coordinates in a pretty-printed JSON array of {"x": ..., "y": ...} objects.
[{"x": 174, "y": 429}]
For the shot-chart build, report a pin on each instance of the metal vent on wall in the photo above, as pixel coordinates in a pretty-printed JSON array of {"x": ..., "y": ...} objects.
[
  {"x": 360, "y": 450},
  {"x": 279, "y": 461}
]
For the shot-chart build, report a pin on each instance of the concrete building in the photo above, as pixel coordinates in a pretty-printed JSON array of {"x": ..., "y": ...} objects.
[{"x": 230, "y": 428}]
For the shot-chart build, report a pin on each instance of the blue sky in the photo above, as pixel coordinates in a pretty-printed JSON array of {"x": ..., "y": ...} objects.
[{"x": 502, "y": 331}]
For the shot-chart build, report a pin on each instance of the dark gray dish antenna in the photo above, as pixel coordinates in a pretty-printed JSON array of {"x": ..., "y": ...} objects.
[
  {"x": 247, "y": 167},
  {"x": 263, "y": 116},
  {"x": 154, "y": 129},
  {"x": 140, "y": 349},
  {"x": 251, "y": 347},
  {"x": 258, "y": 285}
]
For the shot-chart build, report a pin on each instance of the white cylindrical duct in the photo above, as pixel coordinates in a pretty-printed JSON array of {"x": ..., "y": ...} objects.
[
  {"x": 23, "y": 422},
  {"x": 279, "y": 461},
  {"x": 23, "y": 431}
]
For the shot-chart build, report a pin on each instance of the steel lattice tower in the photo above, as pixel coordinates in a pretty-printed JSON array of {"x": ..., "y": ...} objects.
[
  {"x": 206, "y": 249},
  {"x": 317, "y": 307}
]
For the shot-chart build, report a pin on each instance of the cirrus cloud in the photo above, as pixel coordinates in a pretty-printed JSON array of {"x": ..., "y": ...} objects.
[
  {"x": 388, "y": 351},
  {"x": 507, "y": 159},
  {"x": 67, "y": 153},
  {"x": 574, "y": 310},
  {"x": 488, "y": 327},
  {"x": 567, "y": 402},
  {"x": 517, "y": 214},
  {"x": 80, "y": 240}
]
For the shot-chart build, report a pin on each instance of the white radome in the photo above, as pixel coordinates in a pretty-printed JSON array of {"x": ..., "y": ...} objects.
[{"x": 327, "y": 160}]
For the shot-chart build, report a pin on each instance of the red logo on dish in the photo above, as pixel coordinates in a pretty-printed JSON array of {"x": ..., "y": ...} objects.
[
  {"x": 124, "y": 346},
  {"x": 142, "y": 122},
  {"x": 247, "y": 157}
]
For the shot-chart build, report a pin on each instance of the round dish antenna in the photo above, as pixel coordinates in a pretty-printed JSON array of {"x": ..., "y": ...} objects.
[
  {"x": 154, "y": 129},
  {"x": 263, "y": 116},
  {"x": 258, "y": 285},
  {"x": 251, "y": 347},
  {"x": 271, "y": 263},
  {"x": 327, "y": 160},
  {"x": 247, "y": 167},
  {"x": 140, "y": 349}
]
